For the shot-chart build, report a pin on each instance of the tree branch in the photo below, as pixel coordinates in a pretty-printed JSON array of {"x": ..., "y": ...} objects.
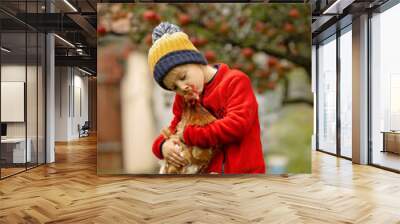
[{"x": 299, "y": 60}]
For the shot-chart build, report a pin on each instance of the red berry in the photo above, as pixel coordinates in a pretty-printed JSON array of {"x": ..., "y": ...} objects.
[
  {"x": 195, "y": 41},
  {"x": 272, "y": 61},
  {"x": 247, "y": 52},
  {"x": 198, "y": 42},
  {"x": 294, "y": 13},
  {"x": 101, "y": 30},
  {"x": 242, "y": 21},
  {"x": 260, "y": 26},
  {"x": 184, "y": 19},
  {"x": 263, "y": 74},
  {"x": 210, "y": 55},
  {"x": 288, "y": 27},
  {"x": 203, "y": 41},
  {"x": 237, "y": 66},
  {"x": 151, "y": 16},
  {"x": 250, "y": 67}
]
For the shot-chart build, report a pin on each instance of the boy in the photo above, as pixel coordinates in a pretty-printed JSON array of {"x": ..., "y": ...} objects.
[{"x": 178, "y": 66}]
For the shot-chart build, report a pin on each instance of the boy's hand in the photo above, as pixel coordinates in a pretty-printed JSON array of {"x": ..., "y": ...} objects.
[
  {"x": 166, "y": 132},
  {"x": 171, "y": 152}
]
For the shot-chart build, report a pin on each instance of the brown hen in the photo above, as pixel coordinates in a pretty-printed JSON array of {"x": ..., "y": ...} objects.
[{"x": 198, "y": 158}]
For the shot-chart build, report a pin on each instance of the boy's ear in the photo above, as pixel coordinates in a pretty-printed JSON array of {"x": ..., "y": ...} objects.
[
  {"x": 164, "y": 81},
  {"x": 204, "y": 68}
]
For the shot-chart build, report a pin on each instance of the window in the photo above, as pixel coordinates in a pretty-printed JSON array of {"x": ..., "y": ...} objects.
[
  {"x": 385, "y": 89},
  {"x": 346, "y": 92},
  {"x": 327, "y": 95}
]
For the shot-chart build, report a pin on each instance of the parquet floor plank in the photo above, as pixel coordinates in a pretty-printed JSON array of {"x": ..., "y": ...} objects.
[{"x": 69, "y": 191}]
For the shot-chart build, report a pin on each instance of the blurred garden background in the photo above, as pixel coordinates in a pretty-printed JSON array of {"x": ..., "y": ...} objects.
[{"x": 269, "y": 42}]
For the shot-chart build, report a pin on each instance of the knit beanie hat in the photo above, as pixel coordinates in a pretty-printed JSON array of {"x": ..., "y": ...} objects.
[{"x": 171, "y": 47}]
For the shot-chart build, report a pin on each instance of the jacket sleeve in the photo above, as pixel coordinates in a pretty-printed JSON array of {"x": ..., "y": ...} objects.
[
  {"x": 241, "y": 111},
  {"x": 177, "y": 111}
]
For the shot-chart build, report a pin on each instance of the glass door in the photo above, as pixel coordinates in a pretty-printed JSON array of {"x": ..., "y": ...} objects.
[{"x": 22, "y": 76}]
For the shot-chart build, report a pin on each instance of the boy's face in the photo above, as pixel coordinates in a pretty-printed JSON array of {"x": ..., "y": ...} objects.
[{"x": 184, "y": 79}]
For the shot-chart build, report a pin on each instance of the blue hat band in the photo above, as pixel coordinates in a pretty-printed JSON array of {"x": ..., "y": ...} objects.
[{"x": 173, "y": 59}]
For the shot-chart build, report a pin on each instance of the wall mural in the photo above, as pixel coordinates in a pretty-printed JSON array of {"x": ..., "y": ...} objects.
[{"x": 269, "y": 43}]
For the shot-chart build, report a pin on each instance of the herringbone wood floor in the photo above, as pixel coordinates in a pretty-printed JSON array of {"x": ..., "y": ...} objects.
[{"x": 69, "y": 191}]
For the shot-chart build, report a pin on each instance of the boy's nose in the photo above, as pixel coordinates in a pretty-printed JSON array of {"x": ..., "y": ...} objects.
[{"x": 182, "y": 86}]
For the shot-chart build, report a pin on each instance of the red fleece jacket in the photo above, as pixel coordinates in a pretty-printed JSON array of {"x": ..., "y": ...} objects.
[{"x": 230, "y": 98}]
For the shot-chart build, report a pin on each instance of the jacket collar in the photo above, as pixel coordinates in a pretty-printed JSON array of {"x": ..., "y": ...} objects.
[{"x": 222, "y": 69}]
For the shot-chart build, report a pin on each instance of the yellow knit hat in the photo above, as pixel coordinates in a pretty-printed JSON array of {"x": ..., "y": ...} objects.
[{"x": 171, "y": 47}]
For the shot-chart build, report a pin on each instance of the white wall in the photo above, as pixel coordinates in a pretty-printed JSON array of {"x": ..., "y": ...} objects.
[
  {"x": 71, "y": 93},
  {"x": 12, "y": 73},
  {"x": 61, "y": 103},
  {"x": 80, "y": 100}
]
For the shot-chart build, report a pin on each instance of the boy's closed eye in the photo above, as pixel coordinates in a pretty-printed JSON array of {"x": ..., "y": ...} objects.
[{"x": 181, "y": 78}]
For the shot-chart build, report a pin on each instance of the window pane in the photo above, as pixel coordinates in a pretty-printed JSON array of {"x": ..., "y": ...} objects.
[
  {"x": 345, "y": 94},
  {"x": 327, "y": 96}
]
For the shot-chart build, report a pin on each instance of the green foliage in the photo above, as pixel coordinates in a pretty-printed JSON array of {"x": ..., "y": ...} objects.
[{"x": 291, "y": 137}]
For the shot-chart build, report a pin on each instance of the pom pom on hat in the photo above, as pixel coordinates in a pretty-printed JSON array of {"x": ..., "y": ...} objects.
[{"x": 164, "y": 28}]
